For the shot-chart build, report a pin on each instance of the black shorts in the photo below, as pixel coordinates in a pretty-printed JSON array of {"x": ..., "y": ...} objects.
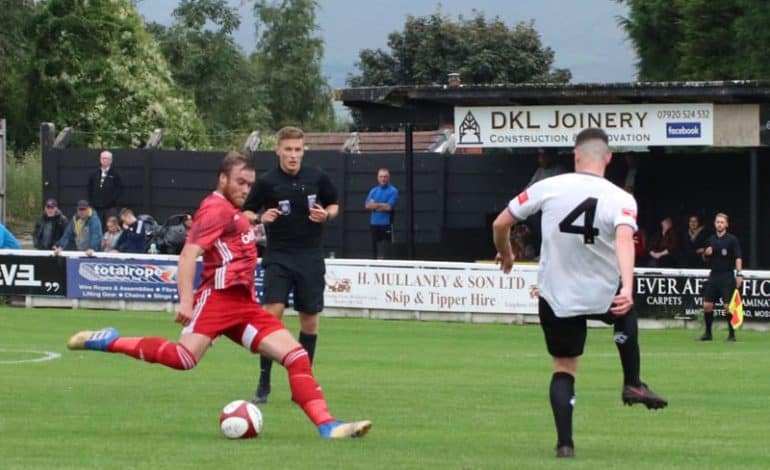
[
  {"x": 719, "y": 285},
  {"x": 566, "y": 337},
  {"x": 301, "y": 272}
]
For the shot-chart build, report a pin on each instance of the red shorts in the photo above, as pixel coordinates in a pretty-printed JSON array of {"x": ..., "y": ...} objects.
[{"x": 234, "y": 313}]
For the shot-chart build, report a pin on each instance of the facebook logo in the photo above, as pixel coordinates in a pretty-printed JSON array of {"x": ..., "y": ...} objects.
[{"x": 678, "y": 130}]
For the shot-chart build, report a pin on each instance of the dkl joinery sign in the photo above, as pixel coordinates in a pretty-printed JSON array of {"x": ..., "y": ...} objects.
[{"x": 557, "y": 126}]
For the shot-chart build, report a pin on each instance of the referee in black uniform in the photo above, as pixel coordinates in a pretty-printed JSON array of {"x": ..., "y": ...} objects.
[
  {"x": 723, "y": 253},
  {"x": 295, "y": 201}
]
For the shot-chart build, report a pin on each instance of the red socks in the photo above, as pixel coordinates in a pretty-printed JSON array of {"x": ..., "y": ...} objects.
[
  {"x": 155, "y": 350},
  {"x": 305, "y": 391}
]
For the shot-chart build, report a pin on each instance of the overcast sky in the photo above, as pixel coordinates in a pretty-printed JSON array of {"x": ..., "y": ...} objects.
[{"x": 583, "y": 34}]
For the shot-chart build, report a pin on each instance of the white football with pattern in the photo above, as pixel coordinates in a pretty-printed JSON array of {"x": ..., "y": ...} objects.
[{"x": 240, "y": 420}]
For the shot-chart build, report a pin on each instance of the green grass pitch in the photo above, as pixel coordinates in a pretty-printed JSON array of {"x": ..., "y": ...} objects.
[{"x": 441, "y": 395}]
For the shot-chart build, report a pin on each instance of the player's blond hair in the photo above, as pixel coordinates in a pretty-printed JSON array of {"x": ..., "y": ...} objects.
[{"x": 289, "y": 132}]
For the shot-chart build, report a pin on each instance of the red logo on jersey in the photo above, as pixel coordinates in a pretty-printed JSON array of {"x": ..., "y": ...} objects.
[
  {"x": 629, "y": 213},
  {"x": 523, "y": 197}
]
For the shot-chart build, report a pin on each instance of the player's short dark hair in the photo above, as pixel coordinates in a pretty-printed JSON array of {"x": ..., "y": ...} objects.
[
  {"x": 592, "y": 133},
  {"x": 233, "y": 159},
  {"x": 289, "y": 132}
]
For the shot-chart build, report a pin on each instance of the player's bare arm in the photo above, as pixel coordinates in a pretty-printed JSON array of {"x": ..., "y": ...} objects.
[
  {"x": 738, "y": 272},
  {"x": 501, "y": 233},
  {"x": 185, "y": 277},
  {"x": 624, "y": 251}
]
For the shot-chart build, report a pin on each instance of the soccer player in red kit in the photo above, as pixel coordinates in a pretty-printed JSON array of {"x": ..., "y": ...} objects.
[{"x": 225, "y": 303}]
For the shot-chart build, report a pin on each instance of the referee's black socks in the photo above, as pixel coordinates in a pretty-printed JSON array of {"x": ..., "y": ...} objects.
[
  {"x": 708, "y": 318},
  {"x": 308, "y": 342},
  {"x": 562, "y": 404},
  {"x": 265, "y": 366}
]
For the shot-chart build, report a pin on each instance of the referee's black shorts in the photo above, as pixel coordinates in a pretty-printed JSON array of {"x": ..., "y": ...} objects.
[
  {"x": 566, "y": 337},
  {"x": 301, "y": 271},
  {"x": 719, "y": 285}
]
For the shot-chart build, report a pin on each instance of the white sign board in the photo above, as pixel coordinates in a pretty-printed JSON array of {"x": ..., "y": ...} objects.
[
  {"x": 556, "y": 126},
  {"x": 451, "y": 287}
]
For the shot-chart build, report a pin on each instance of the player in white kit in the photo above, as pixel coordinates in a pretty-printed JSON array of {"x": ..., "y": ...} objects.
[{"x": 586, "y": 272}]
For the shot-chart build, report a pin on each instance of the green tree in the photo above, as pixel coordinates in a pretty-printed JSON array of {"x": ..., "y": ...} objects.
[
  {"x": 288, "y": 58},
  {"x": 752, "y": 35},
  {"x": 480, "y": 49},
  {"x": 654, "y": 27},
  {"x": 97, "y": 70},
  {"x": 15, "y": 62},
  {"x": 205, "y": 60},
  {"x": 709, "y": 50},
  {"x": 699, "y": 39}
]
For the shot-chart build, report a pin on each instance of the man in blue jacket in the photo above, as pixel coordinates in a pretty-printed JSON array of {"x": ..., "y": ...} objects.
[
  {"x": 7, "y": 240},
  {"x": 381, "y": 200},
  {"x": 84, "y": 231}
]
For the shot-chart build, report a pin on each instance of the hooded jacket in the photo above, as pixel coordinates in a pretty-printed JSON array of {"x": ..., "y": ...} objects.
[{"x": 86, "y": 233}]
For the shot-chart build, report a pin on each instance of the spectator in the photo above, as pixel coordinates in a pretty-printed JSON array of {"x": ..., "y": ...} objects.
[
  {"x": 111, "y": 236},
  {"x": 629, "y": 183},
  {"x": 49, "y": 227},
  {"x": 84, "y": 232},
  {"x": 105, "y": 187},
  {"x": 7, "y": 240},
  {"x": 521, "y": 243},
  {"x": 547, "y": 167},
  {"x": 640, "y": 247},
  {"x": 695, "y": 243},
  {"x": 134, "y": 238},
  {"x": 170, "y": 237},
  {"x": 663, "y": 245},
  {"x": 381, "y": 200}
]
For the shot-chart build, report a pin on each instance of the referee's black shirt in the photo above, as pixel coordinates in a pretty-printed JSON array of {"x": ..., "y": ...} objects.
[
  {"x": 295, "y": 230},
  {"x": 725, "y": 251}
]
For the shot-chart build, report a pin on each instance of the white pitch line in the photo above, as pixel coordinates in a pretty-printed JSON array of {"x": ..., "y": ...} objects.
[{"x": 45, "y": 356}]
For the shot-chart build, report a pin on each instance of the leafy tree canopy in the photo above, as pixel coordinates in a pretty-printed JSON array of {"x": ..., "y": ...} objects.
[
  {"x": 15, "y": 61},
  {"x": 480, "y": 49},
  {"x": 205, "y": 61},
  {"x": 699, "y": 39},
  {"x": 96, "y": 68},
  {"x": 288, "y": 57}
]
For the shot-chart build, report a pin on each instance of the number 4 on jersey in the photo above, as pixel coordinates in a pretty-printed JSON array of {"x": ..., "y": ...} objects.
[{"x": 587, "y": 207}]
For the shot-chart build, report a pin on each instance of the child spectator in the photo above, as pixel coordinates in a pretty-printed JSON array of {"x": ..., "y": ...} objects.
[{"x": 111, "y": 236}]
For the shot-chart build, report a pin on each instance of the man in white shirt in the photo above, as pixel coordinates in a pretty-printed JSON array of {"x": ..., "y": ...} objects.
[{"x": 588, "y": 225}]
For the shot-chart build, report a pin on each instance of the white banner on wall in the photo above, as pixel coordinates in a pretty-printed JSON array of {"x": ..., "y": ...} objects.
[
  {"x": 556, "y": 126},
  {"x": 437, "y": 287}
]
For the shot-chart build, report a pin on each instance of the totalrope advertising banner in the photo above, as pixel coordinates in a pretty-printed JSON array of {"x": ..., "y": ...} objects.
[
  {"x": 556, "y": 126},
  {"x": 122, "y": 279}
]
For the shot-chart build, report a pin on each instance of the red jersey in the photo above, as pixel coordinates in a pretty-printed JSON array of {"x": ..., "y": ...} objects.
[{"x": 228, "y": 243}]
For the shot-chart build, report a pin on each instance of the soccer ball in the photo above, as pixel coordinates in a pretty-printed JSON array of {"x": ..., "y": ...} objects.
[{"x": 240, "y": 420}]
